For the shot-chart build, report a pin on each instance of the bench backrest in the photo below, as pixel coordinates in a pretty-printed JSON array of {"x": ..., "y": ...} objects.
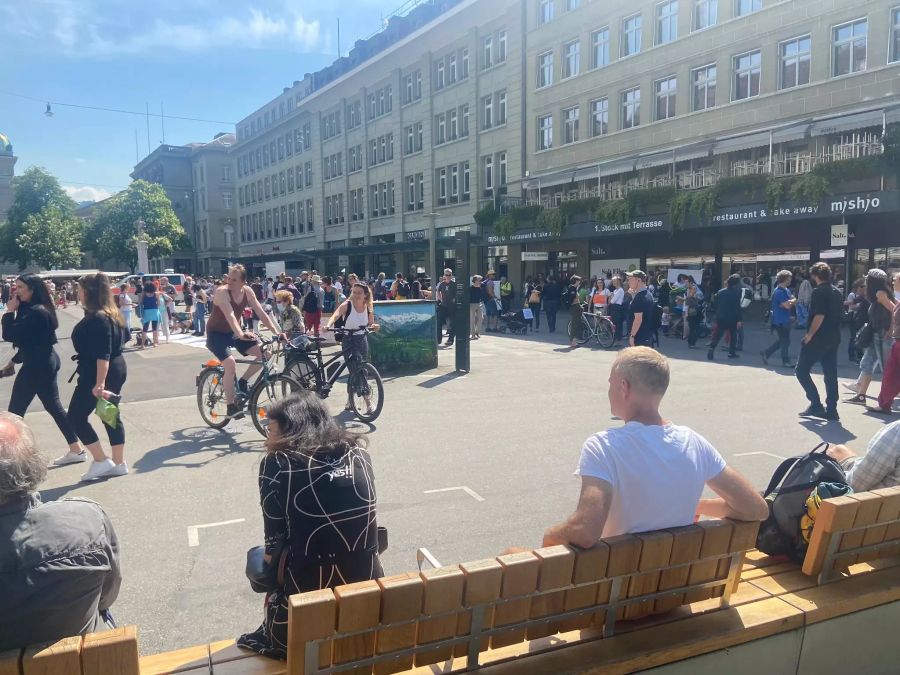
[
  {"x": 416, "y": 619},
  {"x": 112, "y": 651},
  {"x": 859, "y": 527}
]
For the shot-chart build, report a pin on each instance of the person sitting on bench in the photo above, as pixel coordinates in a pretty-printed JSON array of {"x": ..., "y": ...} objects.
[
  {"x": 879, "y": 467},
  {"x": 59, "y": 564},
  {"x": 649, "y": 474}
]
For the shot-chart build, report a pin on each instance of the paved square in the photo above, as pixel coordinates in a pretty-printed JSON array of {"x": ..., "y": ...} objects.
[{"x": 464, "y": 465}]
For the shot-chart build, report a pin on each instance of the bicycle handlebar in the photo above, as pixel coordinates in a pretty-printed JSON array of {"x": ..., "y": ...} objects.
[{"x": 350, "y": 331}]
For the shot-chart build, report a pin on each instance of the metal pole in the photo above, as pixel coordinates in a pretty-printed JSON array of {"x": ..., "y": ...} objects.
[{"x": 162, "y": 121}]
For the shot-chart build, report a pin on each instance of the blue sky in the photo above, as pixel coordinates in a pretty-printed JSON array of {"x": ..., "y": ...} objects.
[{"x": 215, "y": 60}]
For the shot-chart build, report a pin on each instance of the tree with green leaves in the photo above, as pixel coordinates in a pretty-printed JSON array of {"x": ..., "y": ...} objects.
[
  {"x": 33, "y": 192},
  {"x": 112, "y": 235},
  {"x": 52, "y": 238}
]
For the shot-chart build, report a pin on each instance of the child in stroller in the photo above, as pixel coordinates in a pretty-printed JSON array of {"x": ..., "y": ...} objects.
[{"x": 514, "y": 322}]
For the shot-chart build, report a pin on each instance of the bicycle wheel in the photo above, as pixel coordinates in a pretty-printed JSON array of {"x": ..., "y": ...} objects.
[
  {"x": 606, "y": 333},
  {"x": 586, "y": 332},
  {"x": 366, "y": 392},
  {"x": 303, "y": 372},
  {"x": 211, "y": 398},
  {"x": 265, "y": 394}
]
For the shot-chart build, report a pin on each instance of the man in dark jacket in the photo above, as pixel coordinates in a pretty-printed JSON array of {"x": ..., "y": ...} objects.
[
  {"x": 728, "y": 316},
  {"x": 59, "y": 561}
]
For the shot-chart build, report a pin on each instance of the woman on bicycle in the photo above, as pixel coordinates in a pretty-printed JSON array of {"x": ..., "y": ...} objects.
[{"x": 357, "y": 312}]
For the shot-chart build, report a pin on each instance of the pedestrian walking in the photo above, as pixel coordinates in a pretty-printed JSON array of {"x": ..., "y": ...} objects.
[
  {"x": 551, "y": 297},
  {"x": 804, "y": 297},
  {"x": 126, "y": 306},
  {"x": 446, "y": 299},
  {"x": 535, "y": 291},
  {"x": 570, "y": 300},
  {"x": 878, "y": 341},
  {"x": 691, "y": 306},
  {"x": 150, "y": 313},
  {"x": 199, "y": 300},
  {"x": 313, "y": 302},
  {"x": 820, "y": 344},
  {"x": 890, "y": 381},
  {"x": 30, "y": 324},
  {"x": 782, "y": 303},
  {"x": 476, "y": 307},
  {"x": 97, "y": 340},
  {"x": 641, "y": 311},
  {"x": 617, "y": 307},
  {"x": 857, "y": 316},
  {"x": 728, "y": 316}
]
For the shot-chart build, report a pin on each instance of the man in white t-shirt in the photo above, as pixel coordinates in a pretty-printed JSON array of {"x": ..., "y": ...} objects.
[{"x": 649, "y": 474}]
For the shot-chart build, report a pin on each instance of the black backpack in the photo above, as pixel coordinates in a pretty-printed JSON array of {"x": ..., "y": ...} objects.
[
  {"x": 311, "y": 302},
  {"x": 786, "y": 530},
  {"x": 404, "y": 289}
]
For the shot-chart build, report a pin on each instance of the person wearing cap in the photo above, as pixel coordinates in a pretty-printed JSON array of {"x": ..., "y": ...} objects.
[
  {"x": 446, "y": 298},
  {"x": 313, "y": 302},
  {"x": 476, "y": 306},
  {"x": 640, "y": 311},
  {"x": 728, "y": 316}
]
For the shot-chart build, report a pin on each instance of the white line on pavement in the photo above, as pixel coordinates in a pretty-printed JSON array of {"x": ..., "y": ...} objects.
[
  {"x": 465, "y": 488},
  {"x": 193, "y": 531},
  {"x": 760, "y": 452}
]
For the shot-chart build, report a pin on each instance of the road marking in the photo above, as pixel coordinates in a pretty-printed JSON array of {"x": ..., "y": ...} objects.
[
  {"x": 761, "y": 452},
  {"x": 465, "y": 488},
  {"x": 193, "y": 531}
]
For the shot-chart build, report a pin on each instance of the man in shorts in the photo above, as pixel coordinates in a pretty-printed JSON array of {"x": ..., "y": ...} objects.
[{"x": 224, "y": 332}]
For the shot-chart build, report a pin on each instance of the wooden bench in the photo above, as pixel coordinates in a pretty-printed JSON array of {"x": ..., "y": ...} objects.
[{"x": 113, "y": 651}]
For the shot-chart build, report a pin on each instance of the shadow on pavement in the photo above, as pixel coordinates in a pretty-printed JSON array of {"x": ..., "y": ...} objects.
[
  {"x": 188, "y": 441},
  {"x": 831, "y": 432},
  {"x": 439, "y": 380}
]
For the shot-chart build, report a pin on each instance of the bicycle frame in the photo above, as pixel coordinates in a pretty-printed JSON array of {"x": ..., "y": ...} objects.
[{"x": 320, "y": 366}]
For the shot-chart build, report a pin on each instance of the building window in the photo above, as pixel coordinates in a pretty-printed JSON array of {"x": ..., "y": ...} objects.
[
  {"x": 502, "y": 163},
  {"x": 487, "y": 52},
  {"x": 410, "y": 193},
  {"x": 746, "y": 75},
  {"x": 705, "y": 14},
  {"x": 599, "y": 117},
  {"x": 794, "y": 56},
  {"x": 226, "y": 174},
  {"x": 666, "y": 21},
  {"x": 545, "y": 11},
  {"x": 226, "y": 200},
  {"x": 570, "y": 125},
  {"x": 501, "y": 46},
  {"x": 309, "y": 215},
  {"x": 545, "y": 132},
  {"x": 665, "y": 98},
  {"x": 501, "y": 108},
  {"x": 440, "y": 74},
  {"x": 487, "y": 173},
  {"x": 441, "y": 129},
  {"x": 743, "y": 7},
  {"x": 466, "y": 184},
  {"x": 545, "y": 69},
  {"x": 442, "y": 186},
  {"x": 895, "y": 35},
  {"x": 454, "y": 183},
  {"x": 631, "y": 35},
  {"x": 631, "y": 108},
  {"x": 600, "y": 48},
  {"x": 451, "y": 68},
  {"x": 703, "y": 81},
  {"x": 571, "y": 59},
  {"x": 850, "y": 47},
  {"x": 487, "y": 112},
  {"x": 465, "y": 64}
]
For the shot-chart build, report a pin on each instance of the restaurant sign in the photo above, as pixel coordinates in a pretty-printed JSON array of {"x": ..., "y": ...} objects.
[{"x": 584, "y": 230}]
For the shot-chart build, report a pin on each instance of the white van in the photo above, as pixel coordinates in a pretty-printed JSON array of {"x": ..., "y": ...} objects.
[{"x": 177, "y": 280}]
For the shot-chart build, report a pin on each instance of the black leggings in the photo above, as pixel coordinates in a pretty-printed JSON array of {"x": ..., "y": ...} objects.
[
  {"x": 38, "y": 378},
  {"x": 83, "y": 401}
]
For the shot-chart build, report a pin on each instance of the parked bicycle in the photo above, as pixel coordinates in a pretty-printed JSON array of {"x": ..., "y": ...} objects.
[
  {"x": 269, "y": 387},
  {"x": 597, "y": 326},
  {"x": 305, "y": 364}
]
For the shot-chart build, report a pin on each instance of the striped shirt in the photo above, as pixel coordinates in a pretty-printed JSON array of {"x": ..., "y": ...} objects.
[{"x": 881, "y": 465}]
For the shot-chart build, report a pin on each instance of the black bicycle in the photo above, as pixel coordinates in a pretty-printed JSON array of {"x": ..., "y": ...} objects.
[
  {"x": 268, "y": 388},
  {"x": 305, "y": 364}
]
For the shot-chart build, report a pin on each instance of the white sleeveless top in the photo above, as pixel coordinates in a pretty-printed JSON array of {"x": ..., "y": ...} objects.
[{"x": 356, "y": 319}]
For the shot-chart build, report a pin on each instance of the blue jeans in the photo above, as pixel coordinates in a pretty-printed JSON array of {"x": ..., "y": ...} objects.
[
  {"x": 802, "y": 315},
  {"x": 199, "y": 318}
]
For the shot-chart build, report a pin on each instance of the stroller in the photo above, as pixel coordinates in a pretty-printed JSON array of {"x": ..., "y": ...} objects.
[{"x": 513, "y": 322}]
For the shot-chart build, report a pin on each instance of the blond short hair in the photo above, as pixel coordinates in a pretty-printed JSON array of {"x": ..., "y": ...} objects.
[
  {"x": 285, "y": 296},
  {"x": 644, "y": 368},
  {"x": 240, "y": 269}
]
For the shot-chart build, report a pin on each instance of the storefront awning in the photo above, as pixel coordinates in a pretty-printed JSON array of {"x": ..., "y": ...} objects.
[
  {"x": 695, "y": 151},
  {"x": 837, "y": 125},
  {"x": 616, "y": 167},
  {"x": 656, "y": 159},
  {"x": 792, "y": 132},
  {"x": 745, "y": 142}
]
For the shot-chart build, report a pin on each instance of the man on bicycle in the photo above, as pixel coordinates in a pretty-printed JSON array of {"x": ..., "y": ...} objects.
[{"x": 223, "y": 331}]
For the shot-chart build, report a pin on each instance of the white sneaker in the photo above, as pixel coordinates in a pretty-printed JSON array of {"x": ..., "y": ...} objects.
[
  {"x": 99, "y": 470},
  {"x": 117, "y": 470},
  {"x": 70, "y": 458}
]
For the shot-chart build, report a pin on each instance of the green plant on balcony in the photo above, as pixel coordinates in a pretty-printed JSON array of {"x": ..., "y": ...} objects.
[
  {"x": 851, "y": 169},
  {"x": 751, "y": 187},
  {"x": 891, "y": 142},
  {"x": 524, "y": 214},
  {"x": 574, "y": 207},
  {"x": 810, "y": 187},
  {"x": 613, "y": 212},
  {"x": 487, "y": 216},
  {"x": 505, "y": 226},
  {"x": 775, "y": 190},
  {"x": 552, "y": 220},
  {"x": 640, "y": 201}
]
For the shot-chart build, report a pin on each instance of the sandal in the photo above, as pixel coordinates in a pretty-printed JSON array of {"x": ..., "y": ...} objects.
[
  {"x": 859, "y": 399},
  {"x": 879, "y": 411}
]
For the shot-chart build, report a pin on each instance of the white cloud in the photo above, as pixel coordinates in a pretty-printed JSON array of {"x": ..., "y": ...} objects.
[
  {"x": 78, "y": 30},
  {"x": 86, "y": 193}
]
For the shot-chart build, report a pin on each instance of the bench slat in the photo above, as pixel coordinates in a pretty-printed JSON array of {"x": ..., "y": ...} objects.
[
  {"x": 358, "y": 607},
  {"x": 892, "y": 533},
  {"x": 484, "y": 579},
  {"x": 834, "y": 514},
  {"x": 310, "y": 616},
  {"x": 443, "y": 589},
  {"x": 177, "y": 661},
  {"x": 888, "y": 511},
  {"x": 520, "y": 576},
  {"x": 62, "y": 657},
  {"x": 716, "y": 541},
  {"x": 401, "y": 599},
  {"x": 866, "y": 514},
  {"x": 656, "y": 549},
  {"x": 112, "y": 651},
  {"x": 624, "y": 558},
  {"x": 686, "y": 545},
  {"x": 11, "y": 662},
  {"x": 557, "y": 566},
  {"x": 589, "y": 565}
]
